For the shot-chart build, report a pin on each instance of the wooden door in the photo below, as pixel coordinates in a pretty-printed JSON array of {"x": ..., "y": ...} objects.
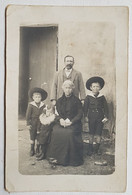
[
  {"x": 42, "y": 58},
  {"x": 38, "y": 61}
]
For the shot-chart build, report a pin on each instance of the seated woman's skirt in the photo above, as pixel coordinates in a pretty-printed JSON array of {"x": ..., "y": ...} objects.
[{"x": 66, "y": 145}]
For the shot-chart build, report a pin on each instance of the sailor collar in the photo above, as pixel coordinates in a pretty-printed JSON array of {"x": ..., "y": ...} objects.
[
  {"x": 99, "y": 95},
  {"x": 34, "y": 104}
]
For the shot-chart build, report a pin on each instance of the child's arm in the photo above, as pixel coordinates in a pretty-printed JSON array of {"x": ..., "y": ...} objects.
[
  {"x": 105, "y": 107},
  {"x": 28, "y": 115}
]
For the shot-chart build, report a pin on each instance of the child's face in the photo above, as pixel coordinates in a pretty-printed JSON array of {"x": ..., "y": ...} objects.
[
  {"x": 49, "y": 112},
  {"x": 37, "y": 97},
  {"x": 95, "y": 87}
]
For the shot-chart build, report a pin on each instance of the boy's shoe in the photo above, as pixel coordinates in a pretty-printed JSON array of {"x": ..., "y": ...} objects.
[
  {"x": 101, "y": 163},
  {"x": 38, "y": 154},
  {"x": 32, "y": 152},
  {"x": 41, "y": 157}
]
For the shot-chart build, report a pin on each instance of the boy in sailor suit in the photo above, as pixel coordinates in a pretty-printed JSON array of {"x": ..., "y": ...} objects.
[
  {"x": 35, "y": 108},
  {"x": 95, "y": 112}
]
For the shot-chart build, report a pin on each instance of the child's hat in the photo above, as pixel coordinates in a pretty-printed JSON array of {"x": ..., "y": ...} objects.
[
  {"x": 95, "y": 80},
  {"x": 43, "y": 93}
]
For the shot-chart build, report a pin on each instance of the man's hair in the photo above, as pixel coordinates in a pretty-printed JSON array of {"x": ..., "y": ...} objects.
[{"x": 68, "y": 57}]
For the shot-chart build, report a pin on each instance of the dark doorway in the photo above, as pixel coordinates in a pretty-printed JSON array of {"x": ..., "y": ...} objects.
[{"x": 38, "y": 61}]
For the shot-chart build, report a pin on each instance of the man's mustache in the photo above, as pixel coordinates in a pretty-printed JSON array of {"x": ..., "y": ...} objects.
[{"x": 69, "y": 65}]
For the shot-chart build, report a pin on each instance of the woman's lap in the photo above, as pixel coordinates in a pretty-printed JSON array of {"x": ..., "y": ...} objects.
[{"x": 66, "y": 145}]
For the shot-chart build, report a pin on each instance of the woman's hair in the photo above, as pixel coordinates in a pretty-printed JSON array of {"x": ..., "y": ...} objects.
[{"x": 69, "y": 83}]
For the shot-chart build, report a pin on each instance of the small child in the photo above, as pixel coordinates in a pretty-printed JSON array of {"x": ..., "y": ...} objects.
[
  {"x": 35, "y": 108},
  {"x": 95, "y": 112},
  {"x": 47, "y": 119}
]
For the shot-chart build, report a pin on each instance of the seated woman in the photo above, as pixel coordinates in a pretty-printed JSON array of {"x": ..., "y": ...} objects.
[{"x": 66, "y": 146}]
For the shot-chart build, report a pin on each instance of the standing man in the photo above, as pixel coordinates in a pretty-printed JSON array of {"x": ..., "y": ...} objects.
[{"x": 68, "y": 73}]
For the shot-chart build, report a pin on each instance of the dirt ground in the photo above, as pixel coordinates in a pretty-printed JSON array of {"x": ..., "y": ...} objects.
[{"x": 30, "y": 166}]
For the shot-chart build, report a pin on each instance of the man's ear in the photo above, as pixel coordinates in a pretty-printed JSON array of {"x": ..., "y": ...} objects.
[{"x": 91, "y": 87}]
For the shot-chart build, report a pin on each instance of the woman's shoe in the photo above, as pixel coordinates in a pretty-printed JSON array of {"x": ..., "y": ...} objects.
[{"x": 53, "y": 163}]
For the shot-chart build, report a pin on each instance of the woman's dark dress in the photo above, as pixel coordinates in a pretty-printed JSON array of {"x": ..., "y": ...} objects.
[{"x": 66, "y": 142}]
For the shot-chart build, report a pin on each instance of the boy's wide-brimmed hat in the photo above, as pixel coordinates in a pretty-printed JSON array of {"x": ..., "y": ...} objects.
[
  {"x": 95, "y": 80},
  {"x": 43, "y": 93}
]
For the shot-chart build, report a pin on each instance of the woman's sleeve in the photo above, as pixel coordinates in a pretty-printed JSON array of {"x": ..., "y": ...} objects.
[
  {"x": 105, "y": 105},
  {"x": 58, "y": 108},
  {"x": 86, "y": 106},
  {"x": 57, "y": 119},
  {"x": 79, "y": 113},
  {"x": 28, "y": 114}
]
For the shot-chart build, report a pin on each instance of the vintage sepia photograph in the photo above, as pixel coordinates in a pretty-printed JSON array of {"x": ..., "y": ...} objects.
[
  {"x": 89, "y": 66},
  {"x": 66, "y": 97}
]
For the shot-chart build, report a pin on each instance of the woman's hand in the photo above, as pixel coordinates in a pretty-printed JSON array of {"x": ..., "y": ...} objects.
[
  {"x": 62, "y": 122},
  {"x": 67, "y": 122}
]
